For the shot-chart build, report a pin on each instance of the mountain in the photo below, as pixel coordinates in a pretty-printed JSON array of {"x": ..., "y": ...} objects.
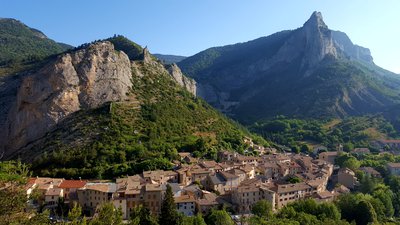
[
  {"x": 309, "y": 72},
  {"x": 22, "y": 43},
  {"x": 169, "y": 59},
  {"x": 105, "y": 109}
]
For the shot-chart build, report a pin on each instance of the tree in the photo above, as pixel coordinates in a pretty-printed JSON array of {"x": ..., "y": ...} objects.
[
  {"x": 347, "y": 147},
  {"x": 263, "y": 209},
  {"x": 345, "y": 160},
  {"x": 347, "y": 204},
  {"x": 75, "y": 214},
  {"x": 40, "y": 218},
  {"x": 169, "y": 214},
  {"x": 367, "y": 184},
  {"x": 351, "y": 163},
  {"x": 219, "y": 217},
  {"x": 193, "y": 220},
  {"x": 108, "y": 215},
  {"x": 365, "y": 213},
  {"x": 13, "y": 177},
  {"x": 304, "y": 148},
  {"x": 142, "y": 216},
  {"x": 296, "y": 149}
]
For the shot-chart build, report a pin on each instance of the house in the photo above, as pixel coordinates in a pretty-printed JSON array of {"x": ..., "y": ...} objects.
[
  {"x": 318, "y": 184},
  {"x": 160, "y": 176},
  {"x": 69, "y": 188},
  {"x": 286, "y": 193},
  {"x": 249, "y": 171},
  {"x": 270, "y": 170},
  {"x": 371, "y": 172},
  {"x": 222, "y": 182},
  {"x": 347, "y": 177},
  {"x": 193, "y": 190},
  {"x": 394, "y": 168},
  {"x": 92, "y": 195},
  {"x": 42, "y": 185},
  {"x": 186, "y": 204},
  {"x": 325, "y": 196},
  {"x": 52, "y": 196},
  {"x": 129, "y": 190},
  {"x": 152, "y": 197},
  {"x": 245, "y": 160},
  {"x": 328, "y": 156},
  {"x": 182, "y": 155},
  {"x": 244, "y": 197},
  {"x": 226, "y": 156},
  {"x": 190, "y": 160},
  {"x": 238, "y": 172},
  {"x": 207, "y": 202}
]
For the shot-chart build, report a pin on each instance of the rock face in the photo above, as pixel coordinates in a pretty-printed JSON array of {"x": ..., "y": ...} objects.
[
  {"x": 83, "y": 79},
  {"x": 182, "y": 80},
  {"x": 346, "y": 46}
]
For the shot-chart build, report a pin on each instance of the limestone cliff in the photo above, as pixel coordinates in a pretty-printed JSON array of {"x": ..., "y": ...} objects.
[
  {"x": 182, "y": 80},
  {"x": 86, "y": 78}
]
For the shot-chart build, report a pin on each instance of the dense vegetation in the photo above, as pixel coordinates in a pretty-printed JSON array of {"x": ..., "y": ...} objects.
[
  {"x": 144, "y": 133},
  {"x": 21, "y": 46},
  {"x": 351, "y": 131}
]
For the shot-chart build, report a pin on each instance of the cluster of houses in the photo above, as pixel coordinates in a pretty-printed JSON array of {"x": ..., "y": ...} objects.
[{"x": 236, "y": 180}]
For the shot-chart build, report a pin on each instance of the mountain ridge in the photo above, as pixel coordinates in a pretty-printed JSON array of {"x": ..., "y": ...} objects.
[{"x": 256, "y": 79}]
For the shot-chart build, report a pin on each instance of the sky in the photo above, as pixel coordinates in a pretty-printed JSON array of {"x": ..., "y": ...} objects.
[{"x": 186, "y": 27}]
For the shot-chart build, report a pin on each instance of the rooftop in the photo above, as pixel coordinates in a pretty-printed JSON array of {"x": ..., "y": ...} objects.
[
  {"x": 54, "y": 192},
  {"x": 284, "y": 188},
  {"x": 184, "y": 198},
  {"x": 72, "y": 184},
  {"x": 102, "y": 187}
]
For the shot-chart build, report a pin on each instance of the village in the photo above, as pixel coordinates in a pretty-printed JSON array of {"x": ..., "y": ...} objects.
[{"x": 234, "y": 181}]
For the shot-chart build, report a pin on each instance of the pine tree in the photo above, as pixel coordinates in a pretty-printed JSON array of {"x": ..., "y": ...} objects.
[
  {"x": 146, "y": 218},
  {"x": 169, "y": 214},
  {"x": 74, "y": 215}
]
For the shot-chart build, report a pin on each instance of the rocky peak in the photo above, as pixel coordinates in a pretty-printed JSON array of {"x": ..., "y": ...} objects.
[
  {"x": 315, "y": 21},
  {"x": 180, "y": 79},
  {"x": 310, "y": 44},
  {"x": 318, "y": 41},
  {"x": 146, "y": 55}
]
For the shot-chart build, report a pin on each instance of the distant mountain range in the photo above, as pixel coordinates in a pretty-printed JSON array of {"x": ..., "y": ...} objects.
[
  {"x": 169, "y": 59},
  {"x": 309, "y": 72}
]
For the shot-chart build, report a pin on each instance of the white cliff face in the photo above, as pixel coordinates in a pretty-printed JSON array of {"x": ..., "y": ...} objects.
[
  {"x": 318, "y": 41},
  {"x": 182, "y": 80},
  {"x": 83, "y": 79},
  {"x": 312, "y": 43}
]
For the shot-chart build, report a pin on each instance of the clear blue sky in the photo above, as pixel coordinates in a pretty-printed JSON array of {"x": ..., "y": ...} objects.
[{"x": 185, "y": 27}]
